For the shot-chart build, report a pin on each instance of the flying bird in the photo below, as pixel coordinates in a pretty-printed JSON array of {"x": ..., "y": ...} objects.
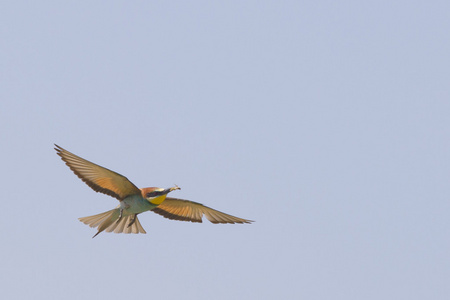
[{"x": 133, "y": 201}]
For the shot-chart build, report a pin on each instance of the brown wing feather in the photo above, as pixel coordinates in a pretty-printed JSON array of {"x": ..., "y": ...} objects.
[
  {"x": 184, "y": 210},
  {"x": 98, "y": 178}
]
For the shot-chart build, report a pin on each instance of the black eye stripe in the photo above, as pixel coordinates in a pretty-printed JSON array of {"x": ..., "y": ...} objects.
[{"x": 153, "y": 194}]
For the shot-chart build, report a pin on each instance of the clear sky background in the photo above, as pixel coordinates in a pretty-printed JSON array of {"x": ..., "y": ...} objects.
[{"x": 326, "y": 122}]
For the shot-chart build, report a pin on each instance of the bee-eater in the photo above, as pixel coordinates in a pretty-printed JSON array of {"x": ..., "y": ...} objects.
[{"x": 133, "y": 201}]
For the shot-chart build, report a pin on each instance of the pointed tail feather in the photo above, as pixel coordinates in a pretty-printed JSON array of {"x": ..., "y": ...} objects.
[{"x": 108, "y": 221}]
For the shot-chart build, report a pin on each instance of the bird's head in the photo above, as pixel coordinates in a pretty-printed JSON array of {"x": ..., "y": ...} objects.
[{"x": 157, "y": 195}]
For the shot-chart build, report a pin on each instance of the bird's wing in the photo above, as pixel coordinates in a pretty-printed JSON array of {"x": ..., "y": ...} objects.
[
  {"x": 98, "y": 178},
  {"x": 184, "y": 210}
]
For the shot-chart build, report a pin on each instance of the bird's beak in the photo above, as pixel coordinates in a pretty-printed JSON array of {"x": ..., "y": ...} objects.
[{"x": 166, "y": 191}]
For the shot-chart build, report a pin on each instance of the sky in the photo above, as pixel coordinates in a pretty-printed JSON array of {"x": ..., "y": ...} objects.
[{"x": 325, "y": 122}]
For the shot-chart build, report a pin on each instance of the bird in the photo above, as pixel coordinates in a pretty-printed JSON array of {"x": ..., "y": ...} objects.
[{"x": 133, "y": 201}]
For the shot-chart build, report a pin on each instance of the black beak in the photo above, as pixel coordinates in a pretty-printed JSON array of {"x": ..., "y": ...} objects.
[{"x": 166, "y": 191}]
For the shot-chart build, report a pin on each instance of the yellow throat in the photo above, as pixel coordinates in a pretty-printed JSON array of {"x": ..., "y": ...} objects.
[{"x": 158, "y": 200}]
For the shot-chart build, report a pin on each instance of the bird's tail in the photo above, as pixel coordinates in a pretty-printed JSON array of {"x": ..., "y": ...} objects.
[{"x": 110, "y": 222}]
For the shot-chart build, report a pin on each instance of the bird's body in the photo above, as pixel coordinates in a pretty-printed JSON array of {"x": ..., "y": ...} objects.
[
  {"x": 135, "y": 204},
  {"x": 133, "y": 201}
]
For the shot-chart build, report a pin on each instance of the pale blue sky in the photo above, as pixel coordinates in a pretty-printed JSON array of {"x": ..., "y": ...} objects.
[{"x": 326, "y": 122}]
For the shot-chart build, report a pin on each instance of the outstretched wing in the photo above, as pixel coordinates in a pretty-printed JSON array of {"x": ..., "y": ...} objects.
[
  {"x": 98, "y": 178},
  {"x": 184, "y": 210}
]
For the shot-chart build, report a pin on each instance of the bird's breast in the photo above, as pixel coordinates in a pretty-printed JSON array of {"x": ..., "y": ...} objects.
[{"x": 135, "y": 204}]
